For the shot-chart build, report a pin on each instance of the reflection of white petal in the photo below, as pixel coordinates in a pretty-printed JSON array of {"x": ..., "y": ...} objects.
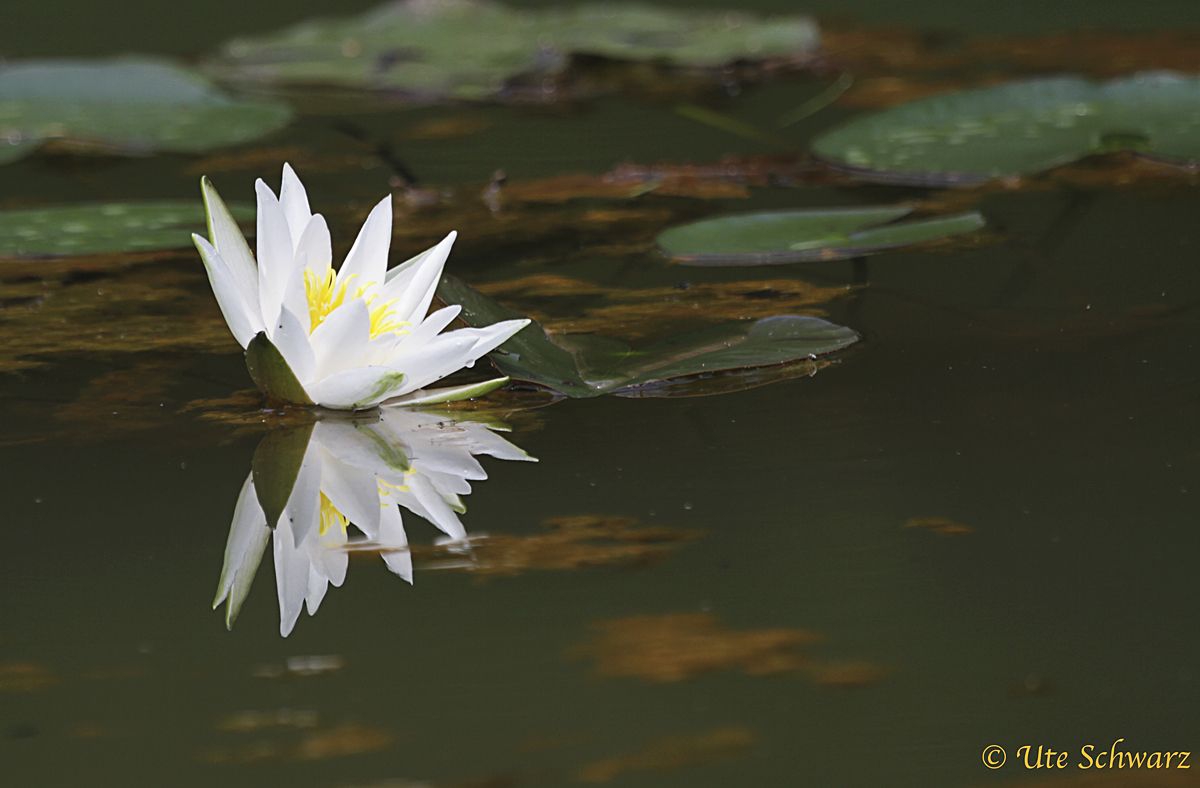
[
  {"x": 293, "y": 200},
  {"x": 291, "y": 580},
  {"x": 437, "y": 510},
  {"x": 248, "y": 536},
  {"x": 367, "y": 258},
  {"x": 303, "y": 508},
  {"x": 352, "y": 492},
  {"x": 241, "y": 317},
  {"x": 393, "y": 543},
  {"x": 318, "y": 584},
  {"x": 275, "y": 253},
  {"x": 363, "y": 446}
]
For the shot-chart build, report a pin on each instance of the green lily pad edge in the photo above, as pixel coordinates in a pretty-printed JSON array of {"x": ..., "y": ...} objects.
[
  {"x": 103, "y": 228},
  {"x": 124, "y": 105},
  {"x": 1020, "y": 128},
  {"x": 794, "y": 236},
  {"x": 584, "y": 365}
]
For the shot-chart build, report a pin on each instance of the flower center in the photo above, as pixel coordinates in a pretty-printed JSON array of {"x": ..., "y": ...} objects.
[
  {"x": 331, "y": 517},
  {"x": 325, "y": 294}
]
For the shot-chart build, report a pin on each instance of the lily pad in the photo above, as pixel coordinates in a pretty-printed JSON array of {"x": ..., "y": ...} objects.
[
  {"x": 775, "y": 237},
  {"x": 1020, "y": 128},
  {"x": 124, "y": 105},
  {"x": 475, "y": 49},
  {"x": 102, "y": 228},
  {"x": 586, "y": 365}
]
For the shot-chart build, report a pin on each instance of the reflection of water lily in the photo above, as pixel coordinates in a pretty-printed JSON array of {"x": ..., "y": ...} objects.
[
  {"x": 349, "y": 339},
  {"x": 312, "y": 483}
]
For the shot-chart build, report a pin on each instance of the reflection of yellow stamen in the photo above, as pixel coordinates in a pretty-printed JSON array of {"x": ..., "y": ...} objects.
[
  {"x": 330, "y": 516},
  {"x": 387, "y": 487}
]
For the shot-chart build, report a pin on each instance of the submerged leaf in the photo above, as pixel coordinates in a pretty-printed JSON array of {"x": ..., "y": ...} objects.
[
  {"x": 128, "y": 105},
  {"x": 102, "y": 228},
  {"x": 1020, "y": 128},
  {"x": 582, "y": 365},
  {"x": 476, "y": 49},
  {"x": 815, "y": 234}
]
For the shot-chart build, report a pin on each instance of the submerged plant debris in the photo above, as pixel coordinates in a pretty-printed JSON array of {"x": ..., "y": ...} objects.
[
  {"x": 131, "y": 106},
  {"x": 474, "y": 49},
  {"x": 126, "y": 312},
  {"x": 643, "y": 311},
  {"x": 670, "y": 753},
  {"x": 776, "y": 237},
  {"x": 942, "y": 526},
  {"x": 566, "y": 543},
  {"x": 679, "y": 646},
  {"x": 1019, "y": 128}
]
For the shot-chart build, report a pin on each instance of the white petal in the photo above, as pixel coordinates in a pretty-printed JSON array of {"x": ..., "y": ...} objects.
[
  {"x": 367, "y": 259},
  {"x": 415, "y": 282},
  {"x": 340, "y": 340},
  {"x": 243, "y": 319},
  {"x": 450, "y": 394},
  {"x": 295, "y": 299},
  {"x": 441, "y": 356},
  {"x": 291, "y": 339},
  {"x": 314, "y": 250},
  {"x": 275, "y": 252},
  {"x": 227, "y": 237},
  {"x": 293, "y": 200},
  {"x": 358, "y": 389},
  {"x": 491, "y": 337},
  {"x": 432, "y": 325}
]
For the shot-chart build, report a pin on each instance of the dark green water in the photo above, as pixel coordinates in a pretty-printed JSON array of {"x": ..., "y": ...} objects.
[{"x": 1041, "y": 389}]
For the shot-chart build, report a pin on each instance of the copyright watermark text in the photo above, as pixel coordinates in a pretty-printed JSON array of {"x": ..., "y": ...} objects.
[{"x": 1117, "y": 755}]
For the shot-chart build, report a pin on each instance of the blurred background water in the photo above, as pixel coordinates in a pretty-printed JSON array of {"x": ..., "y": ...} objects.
[{"x": 1038, "y": 390}]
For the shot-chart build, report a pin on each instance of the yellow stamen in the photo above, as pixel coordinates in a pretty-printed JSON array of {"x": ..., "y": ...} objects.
[
  {"x": 324, "y": 293},
  {"x": 330, "y": 516}
]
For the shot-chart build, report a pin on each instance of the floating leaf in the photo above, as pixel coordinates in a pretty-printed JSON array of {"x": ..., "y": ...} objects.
[
  {"x": 777, "y": 237},
  {"x": 125, "y": 105},
  {"x": 1020, "y": 128},
  {"x": 475, "y": 49},
  {"x": 585, "y": 365},
  {"x": 102, "y": 228}
]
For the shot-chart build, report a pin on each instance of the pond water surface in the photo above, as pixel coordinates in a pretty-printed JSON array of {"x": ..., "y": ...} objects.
[{"x": 978, "y": 526}]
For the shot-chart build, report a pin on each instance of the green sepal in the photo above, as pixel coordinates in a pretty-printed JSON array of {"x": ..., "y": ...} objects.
[{"x": 271, "y": 373}]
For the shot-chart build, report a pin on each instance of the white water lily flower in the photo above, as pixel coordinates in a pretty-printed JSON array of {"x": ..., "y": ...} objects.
[
  {"x": 350, "y": 473},
  {"x": 348, "y": 339}
]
